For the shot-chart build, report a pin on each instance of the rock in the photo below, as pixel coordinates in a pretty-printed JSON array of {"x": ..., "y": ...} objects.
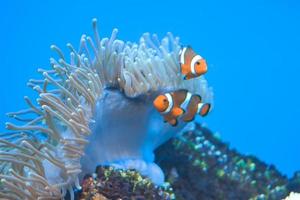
[
  {"x": 197, "y": 165},
  {"x": 110, "y": 183},
  {"x": 207, "y": 169}
]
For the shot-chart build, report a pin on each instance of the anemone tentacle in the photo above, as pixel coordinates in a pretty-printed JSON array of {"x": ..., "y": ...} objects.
[{"x": 40, "y": 156}]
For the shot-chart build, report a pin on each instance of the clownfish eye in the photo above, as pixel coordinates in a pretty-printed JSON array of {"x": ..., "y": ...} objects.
[
  {"x": 165, "y": 100},
  {"x": 197, "y": 63}
]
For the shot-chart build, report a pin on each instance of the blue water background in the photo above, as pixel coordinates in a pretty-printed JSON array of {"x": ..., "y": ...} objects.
[{"x": 252, "y": 49}]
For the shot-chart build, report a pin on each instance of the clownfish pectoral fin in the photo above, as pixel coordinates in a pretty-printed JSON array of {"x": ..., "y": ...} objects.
[
  {"x": 187, "y": 77},
  {"x": 177, "y": 112},
  {"x": 173, "y": 122},
  {"x": 184, "y": 69},
  {"x": 183, "y": 91}
]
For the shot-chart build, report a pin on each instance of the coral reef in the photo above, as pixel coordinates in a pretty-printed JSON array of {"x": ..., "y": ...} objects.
[
  {"x": 109, "y": 183},
  {"x": 198, "y": 165},
  {"x": 294, "y": 183},
  {"x": 82, "y": 113}
]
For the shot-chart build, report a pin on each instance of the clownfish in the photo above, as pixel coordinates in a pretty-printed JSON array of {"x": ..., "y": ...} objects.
[
  {"x": 180, "y": 103},
  {"x": 192, "y": 65}
]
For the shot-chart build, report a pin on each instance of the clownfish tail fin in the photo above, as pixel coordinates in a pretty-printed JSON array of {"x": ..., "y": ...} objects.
[{"x": 204, "y": 110}]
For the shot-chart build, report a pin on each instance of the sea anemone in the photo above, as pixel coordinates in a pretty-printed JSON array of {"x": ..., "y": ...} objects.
[{"x": 94, "y": 110}]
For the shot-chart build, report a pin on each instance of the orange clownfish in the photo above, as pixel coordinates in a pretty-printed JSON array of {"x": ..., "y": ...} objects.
[
  {"x": 192, "y": 65},
  {"x": 180, "y": 103}
]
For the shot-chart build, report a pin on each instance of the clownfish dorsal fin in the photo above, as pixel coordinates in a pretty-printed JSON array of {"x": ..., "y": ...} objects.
[
  {"x": 189, "y": 51},
  {"x": 198, "y": 97},
  {"x": 178, "y": 97},
  {"x": 182, "y": 92},
  {"x": 189, "y": 47}
]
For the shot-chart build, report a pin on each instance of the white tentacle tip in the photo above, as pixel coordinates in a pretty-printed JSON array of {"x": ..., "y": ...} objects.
[
  {"x": 94, "y": 20},
  {"x": 24, "y": 143},
  {"x": 44, "y": 107},
  {"x": 8, "y": 125},
  {"x": 69, "y": 44},
  {"x": 115, "y": 30},
  {"x": 79, "y": 188}
]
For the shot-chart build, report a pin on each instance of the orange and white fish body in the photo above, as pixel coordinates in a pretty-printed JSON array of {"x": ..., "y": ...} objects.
[
  {"x": 192, "y": 65},
  {"x": 180, "y": 103},
  {"x": 195, "y": 106}
]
